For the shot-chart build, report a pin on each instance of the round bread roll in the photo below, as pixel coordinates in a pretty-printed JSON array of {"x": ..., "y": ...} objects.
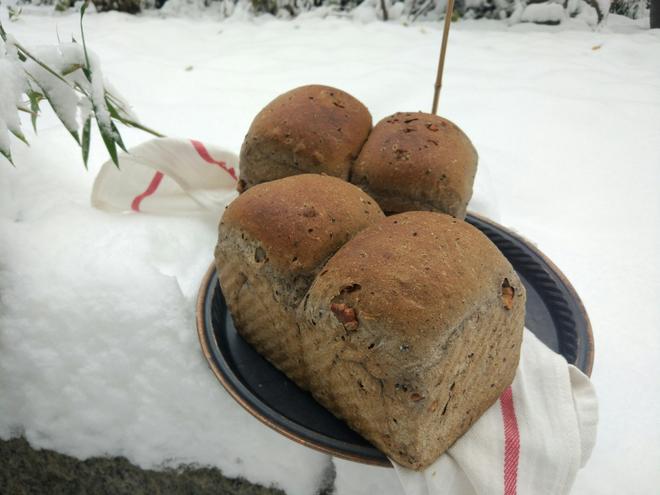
[
  {"x": 273, "y": 239},
  {"x": 310, "y": 129},
  {"x": 417, "y": 161},
  {"x": 411, "y": 331}
]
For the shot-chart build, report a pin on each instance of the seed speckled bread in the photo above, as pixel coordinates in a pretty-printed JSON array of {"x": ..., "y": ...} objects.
[
  {"x": 417, "y": 161},
  {"x": 310, "y": 129},
  {"x": 411, "y": 331},
  {"x": 273, "y": 240},
  {"x": 408, "y": 327}
]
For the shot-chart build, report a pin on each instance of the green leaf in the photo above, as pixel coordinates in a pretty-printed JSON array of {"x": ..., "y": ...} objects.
[
  {"x": 70, "y": 69},
  {"x": 35, "y": 97},
  {"x": 19, "y": 135},
  {"x": 118, "y": 138},
  {"x": 111, "y": 108},
  {"x": 14, "y": 13},
  {"x": 115, "y": 115},
  {"x": 73, "y": 132},
  {"x": 84, "y": 44},
  {"x": 86, "y": 134},
  {"x": 7, "y": 155},
  {"x": 117, "y": 108},
  {"x": 109, "y": 141},
  {"x": 23, "y": 55}
]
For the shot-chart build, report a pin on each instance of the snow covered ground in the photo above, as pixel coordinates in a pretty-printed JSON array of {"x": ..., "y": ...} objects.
[{"x": 98, "y": 351}]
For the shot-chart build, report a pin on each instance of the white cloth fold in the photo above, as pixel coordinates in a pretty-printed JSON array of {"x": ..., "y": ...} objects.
[
  {"x": 532, "y": 441},
  {"x": 167, "y": 176}
]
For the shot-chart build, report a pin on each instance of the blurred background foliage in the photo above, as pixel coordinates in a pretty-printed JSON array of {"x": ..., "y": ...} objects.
[{"x": 408, "y": 10}]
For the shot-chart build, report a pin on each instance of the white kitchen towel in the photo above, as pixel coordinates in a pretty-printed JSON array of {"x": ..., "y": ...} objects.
[
  {"x": 167, "y": 176},
  {"x": 532, "y": 441}
]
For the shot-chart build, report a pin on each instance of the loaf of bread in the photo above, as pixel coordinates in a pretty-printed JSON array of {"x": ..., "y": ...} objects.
[
  {"x": 411, "y": 331},
  {"x": 417, "y": 161},
  {"x": 273, "y": 240},
  {"x": 408, "y": 327},
  {"x": 311, "y": 129}
]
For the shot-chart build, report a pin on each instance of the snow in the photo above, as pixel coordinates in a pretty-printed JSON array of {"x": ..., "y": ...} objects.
[
  {"x": 12, "y": 85},
  {"x": 63, "y": 96},
  {"x": 97, "y": 95},
  {"x": 54, "y": 71},
  {"x": 98, "y": 350},
  {"x": 551, "y": 13}
]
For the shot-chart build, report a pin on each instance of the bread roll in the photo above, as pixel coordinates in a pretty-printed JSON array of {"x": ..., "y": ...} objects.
[
  {"x": 411, "y": 331},
  {"x": 272, "y": 241},
  {"x": 417, "y": 161},
  {"x": 315, "y": 129}
]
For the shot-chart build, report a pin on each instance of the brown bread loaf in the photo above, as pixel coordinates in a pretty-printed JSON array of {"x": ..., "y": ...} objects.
[
  {"x": 407, "y": 327},
  {"x": 411, "y": 331},
  {"x": 311, "y": 129},
  {"x": 417, "y": 161},
  {"x": 273, "y": 240}
]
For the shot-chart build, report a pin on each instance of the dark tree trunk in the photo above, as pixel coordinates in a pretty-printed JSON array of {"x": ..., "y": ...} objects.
[
  {"x": 384, "y": 9},
  {"x": 655, "y": 14},
  {"x": 130, "y": 6},
  {"x": 599, "y": 12}
]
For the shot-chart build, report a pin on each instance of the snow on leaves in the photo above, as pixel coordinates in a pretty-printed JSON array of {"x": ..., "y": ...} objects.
[{"x": 69, "y": 77}]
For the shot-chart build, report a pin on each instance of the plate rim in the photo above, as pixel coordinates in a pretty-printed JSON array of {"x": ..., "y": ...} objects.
[{"x": 231, "y": 388}]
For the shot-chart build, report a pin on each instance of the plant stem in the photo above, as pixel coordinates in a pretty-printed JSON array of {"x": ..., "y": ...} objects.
[
  {"x": 25, "y": 110},
  {"x": 41, "y": 64},
  {"x": 137, "y": 125},
  {"x": 82, "y": 34},
  {"x": 441, "y": 62}
]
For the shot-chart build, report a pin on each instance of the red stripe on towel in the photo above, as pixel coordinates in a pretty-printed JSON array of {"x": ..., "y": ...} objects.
[
  {"x": 511, "y": 442},
  {"x": 203, "y": 152},
  {"x": 151, "y": 188}
]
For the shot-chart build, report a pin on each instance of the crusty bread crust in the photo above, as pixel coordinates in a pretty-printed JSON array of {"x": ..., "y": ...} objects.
[
  {"x": 408, "y": 327},
  {"x": 272, "y": 241},
  {"x": 409, "y": 161},
  {"x": 438, "y": 318},
  {"x": 302, "y": 220},
  {"x": 417, "y": 161},
  {"x": 310, "y": 129}
]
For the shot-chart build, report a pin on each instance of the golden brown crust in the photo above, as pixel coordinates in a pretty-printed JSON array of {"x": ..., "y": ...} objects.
[
  {"x": 414, "y": 261},
  {"x": 272, "y": 240},
  {"x": 411, "y": 331},
  {"x": 300, "y": 221},
  {"x": 310, "y": 129},
  {"x": 417, "y": 161},
  {"x": 408, "y": 327}
]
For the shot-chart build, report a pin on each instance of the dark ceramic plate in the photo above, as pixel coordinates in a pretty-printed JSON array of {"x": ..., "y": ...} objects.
[{"x": 554, "y": 313}]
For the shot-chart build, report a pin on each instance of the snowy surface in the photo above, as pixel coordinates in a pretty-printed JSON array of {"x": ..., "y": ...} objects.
[
  {"x": 98, "y": 351},
  {"x": 551, "y": 13}
]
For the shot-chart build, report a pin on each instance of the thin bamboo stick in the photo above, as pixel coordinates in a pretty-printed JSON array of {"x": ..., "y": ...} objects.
[{"x": 443, "y": 52}]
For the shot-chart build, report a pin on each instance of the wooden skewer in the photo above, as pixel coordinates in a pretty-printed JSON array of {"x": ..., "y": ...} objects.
[{"x": 443, "y": 51}]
